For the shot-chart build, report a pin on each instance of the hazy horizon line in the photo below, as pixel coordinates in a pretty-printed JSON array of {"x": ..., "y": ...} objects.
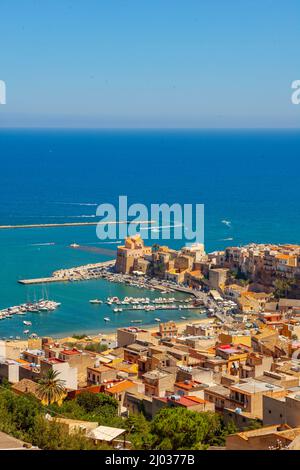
[{"x": 142, "y": 128}]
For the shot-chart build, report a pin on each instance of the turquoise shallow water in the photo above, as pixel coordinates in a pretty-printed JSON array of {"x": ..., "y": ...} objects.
[{"x": 249, "y": 178}]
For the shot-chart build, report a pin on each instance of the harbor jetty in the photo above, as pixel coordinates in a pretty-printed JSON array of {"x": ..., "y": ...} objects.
[
  {"x": 79, "y": 273},
  {"x": 77, "y": 224}
]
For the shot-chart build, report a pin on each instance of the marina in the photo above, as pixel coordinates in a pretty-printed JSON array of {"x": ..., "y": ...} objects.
[
  {"x": 74, "y": 287},
  {"x": 104, "y": 270},
  {"x": 36, "y": 307},
  {"x": 149, "y": 305}
]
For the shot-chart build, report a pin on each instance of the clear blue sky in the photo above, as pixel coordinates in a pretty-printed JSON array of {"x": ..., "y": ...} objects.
[{"x": 150, "y": 63}]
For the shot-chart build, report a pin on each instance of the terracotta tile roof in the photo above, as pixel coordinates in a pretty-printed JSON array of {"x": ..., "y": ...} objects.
[
  {"x": 188, "y": 386},
  {"x": 120, "y": 387},
  {"x": 197, "y": 399},
  {"x": 196, "y": 273},
  {"x": 70, "y": 352},
  {"x": 283, "y": 256},
  {"x": 99, "y": 369}
]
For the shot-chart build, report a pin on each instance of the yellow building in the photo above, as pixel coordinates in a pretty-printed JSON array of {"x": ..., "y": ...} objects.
[
  {"x": 127, "y": 254},
  {"x": 168, "y": 329},
  {"x": 252, "y": 301},
  {"x": 235, "y": 338}
]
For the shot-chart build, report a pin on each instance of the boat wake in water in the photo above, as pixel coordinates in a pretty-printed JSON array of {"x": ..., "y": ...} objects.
[
  {"x": 77, "y": 203},
  {"x": 42, "y": 244}
]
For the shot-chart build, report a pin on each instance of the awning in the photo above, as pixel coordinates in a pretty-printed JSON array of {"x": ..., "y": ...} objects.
[{"x": 106, "y": 433}]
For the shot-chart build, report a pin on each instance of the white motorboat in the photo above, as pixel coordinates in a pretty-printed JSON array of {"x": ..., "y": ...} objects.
[{"x": 96, "y": 301}]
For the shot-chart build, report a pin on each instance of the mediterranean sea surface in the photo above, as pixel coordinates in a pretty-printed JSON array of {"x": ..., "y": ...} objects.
[{"x": 248, "y": 180}]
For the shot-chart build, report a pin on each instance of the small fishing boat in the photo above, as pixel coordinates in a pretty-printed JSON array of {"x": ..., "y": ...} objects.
[
  {"x": 106, "y": 319},
  {"x": 26, "y": 332},
  {"x": 157, "y": 319},
  {"x": 96, "y": 301},
  {"x": 26, "y": 322}
]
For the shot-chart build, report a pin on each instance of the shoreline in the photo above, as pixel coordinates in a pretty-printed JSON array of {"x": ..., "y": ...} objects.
[
  {"x": 153, "y": 328},
  {"x": 111, "y": 334}
]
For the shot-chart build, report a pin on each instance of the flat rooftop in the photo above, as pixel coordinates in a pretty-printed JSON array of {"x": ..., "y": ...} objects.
[
  {"x": 8, "y": 442},
  {"x": 255, "y": 386}
]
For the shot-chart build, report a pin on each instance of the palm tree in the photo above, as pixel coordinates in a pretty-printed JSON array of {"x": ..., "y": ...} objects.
[{"x": 51, "y": 389}]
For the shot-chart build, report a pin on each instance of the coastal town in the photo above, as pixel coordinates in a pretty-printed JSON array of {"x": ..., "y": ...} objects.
[{"x": 240, "y": 361}]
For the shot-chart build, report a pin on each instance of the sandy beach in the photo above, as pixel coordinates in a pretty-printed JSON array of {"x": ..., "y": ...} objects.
[
  {"x": 111, "y": 336},
  {"x": 152, "y": 329}
]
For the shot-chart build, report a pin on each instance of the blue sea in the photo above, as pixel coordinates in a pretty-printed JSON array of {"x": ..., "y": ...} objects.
[{"x": 248, "y": 181}]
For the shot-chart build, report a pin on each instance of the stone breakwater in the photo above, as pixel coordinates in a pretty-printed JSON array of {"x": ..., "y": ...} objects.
[
  {"x": 75, "y": 224},
  {"x": 79, "y": 273}
]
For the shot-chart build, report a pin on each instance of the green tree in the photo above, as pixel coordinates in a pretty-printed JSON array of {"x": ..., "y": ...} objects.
[
  {"x": 79, "y": 336},
  {"x": 282, "y": 287},
  {"x": 139, "y": 431},
  {"x": 51, "y": 389},
  {"x": 18, "y": 412},
  {"x": 137, "y": 422},
  {"x": 89, "y": 401},
  {"x": 24, "y": 418},
  {"x": 5, "y": 383},
  {"x": 51, "y": 435},
  {"x": 96, "y": 347},
  {"x": 90, "y": 407},
  {"x": 178, "y": 428}
]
